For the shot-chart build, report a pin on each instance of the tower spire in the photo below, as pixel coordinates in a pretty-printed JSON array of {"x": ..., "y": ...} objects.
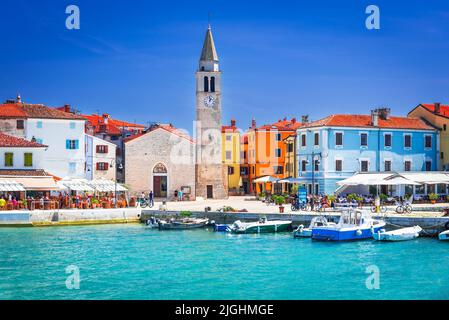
[{"x": 209, "y": 53}]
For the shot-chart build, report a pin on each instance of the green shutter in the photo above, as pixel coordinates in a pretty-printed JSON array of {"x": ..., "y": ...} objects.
[
  {"x": 9, "y": 159},
  {"x": 28, "y": 159}
]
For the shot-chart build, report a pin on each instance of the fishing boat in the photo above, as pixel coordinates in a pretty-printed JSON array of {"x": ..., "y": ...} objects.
[
  {"x": 302, "y": 232},
  {"x": 354, "y": 224},
  {"x": 183, "y": 224},
  {"x": 261, "y": 226},
  {"x": 444, "y": 236},
  {"x": 398, "y": 235}
]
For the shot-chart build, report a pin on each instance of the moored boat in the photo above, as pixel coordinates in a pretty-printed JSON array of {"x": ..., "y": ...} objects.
[
  {"x": 398, "y": 235},
  {"x": 261, "y": 226},
  {"x": 354, "y": 224},
  {"x": 152, "y": 223},
  {"x": 444, "y": 236},
  {"x": 222, "y": 228},
  {"x": 302, "y": 232},
  {"x": 183, "y": 224}
]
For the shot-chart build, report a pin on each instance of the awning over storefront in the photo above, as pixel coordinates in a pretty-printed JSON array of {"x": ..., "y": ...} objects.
[
  {"x": 102, "y": 185},
  {"x": 292, "y": 180},
  {"x": 367, "y": 179},
  {"x": 426, "y": 177},
  {"x": 44, "y": 183},
  {"x": 265, "y": 179},
  {"x": 10, "y": 185},
  {"x": 76, "y": 185}
]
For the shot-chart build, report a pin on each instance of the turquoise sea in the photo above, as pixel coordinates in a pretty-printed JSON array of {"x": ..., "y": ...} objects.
[{"x": 131, "y": 262}]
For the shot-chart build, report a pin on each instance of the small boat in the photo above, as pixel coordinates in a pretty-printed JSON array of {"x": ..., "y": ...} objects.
[
  {"x": 302, "y": 232},
  {"x": 354, "y": 224},
  {"x": 398, "y": 235},
  {"x": 183, "y": 224},
  {"x": 152, "y": 223},
  {"x": 261, "y": 226},
  {"x": 222, "y": 228},
  {"x": 444, "y": 236}
]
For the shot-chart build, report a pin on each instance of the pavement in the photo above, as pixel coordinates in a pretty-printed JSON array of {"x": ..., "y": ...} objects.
[{"x": 254, "y": 206}]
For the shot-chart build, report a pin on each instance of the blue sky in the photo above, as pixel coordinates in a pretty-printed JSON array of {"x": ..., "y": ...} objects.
[{"x": 136, "y": 59}]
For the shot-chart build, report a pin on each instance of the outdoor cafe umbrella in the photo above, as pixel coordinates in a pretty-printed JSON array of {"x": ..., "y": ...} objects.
[{"x": 266, "y": 179}]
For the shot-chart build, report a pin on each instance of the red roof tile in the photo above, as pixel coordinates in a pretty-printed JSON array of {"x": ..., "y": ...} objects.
[
  {"x": 364, "y": 121},
  {"x": 14, "y": 142},
  {"x": 113, "y": 126},
  {"x": 444, "y": 109},
  {"x": 23, "y": 110},
  {"x": 25, "y": 172},
  {"x": 168, "y": 128},
  {"x": 282, "y": 125}
]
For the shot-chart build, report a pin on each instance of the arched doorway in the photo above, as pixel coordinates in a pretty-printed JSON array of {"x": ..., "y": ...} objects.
[{"x": 160, "y": 181}]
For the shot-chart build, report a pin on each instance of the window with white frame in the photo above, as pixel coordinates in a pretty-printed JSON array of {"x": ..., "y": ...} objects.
[
  {"x": 316, "y": 139},
  {"x": 407, "y": 141},
  {"x": 387, "y": 140},
  {"x": 407, "y": 165},
  {"x": 428, "y": 165},
  {"x": 387, "y": 165},
  {"x": 364, "y": 165},
  {"x": 428, "y": 141},
  {"x": 364, "y": 139},
  {"x": 338, "y": 165},
  {"x": 303, "y": 140},
  {"x": 339, "y": 139}
]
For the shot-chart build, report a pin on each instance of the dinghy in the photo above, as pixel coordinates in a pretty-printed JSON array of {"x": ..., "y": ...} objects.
[
  {"x": 444, "y": 236},
  {"x": 398, "y": 235},
  {"x": 302, "y": 232},
  {"x": 183, "y": 224}
]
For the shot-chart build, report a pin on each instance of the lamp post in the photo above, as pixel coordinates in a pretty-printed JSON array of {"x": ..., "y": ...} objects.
[
  {"x": 120, "y": 166},
  {"x": 313, "y": 154}
]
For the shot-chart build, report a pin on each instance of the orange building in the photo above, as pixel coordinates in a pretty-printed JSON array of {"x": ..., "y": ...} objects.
[{"x": 266, "y": 152}]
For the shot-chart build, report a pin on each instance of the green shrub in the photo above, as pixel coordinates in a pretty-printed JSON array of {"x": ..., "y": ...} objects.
[
  {"x": 185, "y": 214},
  {"x": 331, "y": 197},
  {"x": 279, "y": 200},
  {"x": 383, "y": 197},
  {"x": 433, "y": 196}
]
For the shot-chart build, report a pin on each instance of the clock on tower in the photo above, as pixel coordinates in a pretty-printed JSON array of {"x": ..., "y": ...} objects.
[{"x": 211, "y": 175}]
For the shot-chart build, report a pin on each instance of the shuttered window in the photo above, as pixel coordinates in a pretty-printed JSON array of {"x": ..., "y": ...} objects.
[
  {"x": 102, "y": 166},
  {"x": 9, "y": 159},
  {"x": 28, "y": 159}
]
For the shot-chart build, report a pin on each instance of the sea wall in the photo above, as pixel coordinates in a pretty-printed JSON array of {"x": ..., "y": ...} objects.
[
  {"x": 69, "y": 217},
  {"x": 431, "y": 225}
]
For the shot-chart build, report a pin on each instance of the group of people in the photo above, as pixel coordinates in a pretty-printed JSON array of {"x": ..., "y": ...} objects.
[{"x": 149, "y": 199}]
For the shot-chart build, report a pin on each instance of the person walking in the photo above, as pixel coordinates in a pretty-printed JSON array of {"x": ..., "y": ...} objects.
[{"x": 151, "y": 198}]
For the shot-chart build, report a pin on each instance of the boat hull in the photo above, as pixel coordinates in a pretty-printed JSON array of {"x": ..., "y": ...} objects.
[
  {"x": 444, "y": 236},
  {"x": 222, "y": 228},
  {"x": 346, "y": 234},
  {"x": 269, "y": 228},
  {"x": 398, "y": 235},
  {"x": 304, "y": 233},
  {"x": 180, "y": 225}
]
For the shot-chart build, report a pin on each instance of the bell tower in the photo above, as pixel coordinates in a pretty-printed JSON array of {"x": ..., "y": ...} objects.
[{"x": 211, "y": 177}]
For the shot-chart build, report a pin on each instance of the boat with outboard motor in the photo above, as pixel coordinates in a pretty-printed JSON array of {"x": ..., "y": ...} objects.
[
  {"x": 444, "y": 236},
  {"x": 183, "y": 224},
  {"x": 398, "y": 235},
  {"x": 262, "y": 226},
  {"x": 302, "y": 232},
  {"x": 354, "y": 224}
]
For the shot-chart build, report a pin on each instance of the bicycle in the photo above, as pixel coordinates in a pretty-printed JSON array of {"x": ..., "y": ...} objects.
[
  {"x": 300, "y": 205},
  {"x": 382, "y": 209},
  {"x": 403, "y": 207},
  {"x": 146, "y": 203}
]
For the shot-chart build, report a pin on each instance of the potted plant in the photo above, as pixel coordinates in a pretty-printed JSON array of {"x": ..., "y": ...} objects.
[
  {"x": 280, "y": 200},
  {"x": 383, "y": 197},
  {"x": 433, "y": 197},
  {"x": 262, "y": 196}
]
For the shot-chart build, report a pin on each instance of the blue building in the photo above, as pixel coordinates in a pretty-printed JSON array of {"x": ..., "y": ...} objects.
[{"x": 338, "y": 146}]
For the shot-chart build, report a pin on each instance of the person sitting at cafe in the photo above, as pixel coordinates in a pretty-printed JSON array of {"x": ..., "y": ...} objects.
[{"x": 2, "y": 202}]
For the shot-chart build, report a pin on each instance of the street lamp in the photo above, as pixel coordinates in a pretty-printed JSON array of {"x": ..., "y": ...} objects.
[{"x": 120, "y": 166}]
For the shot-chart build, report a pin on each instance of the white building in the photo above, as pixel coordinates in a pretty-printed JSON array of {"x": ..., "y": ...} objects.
[
  {"x": 17, "y": 154},
  {"x": 62, "y": 132},
  {"x": 100, "y": 159}
]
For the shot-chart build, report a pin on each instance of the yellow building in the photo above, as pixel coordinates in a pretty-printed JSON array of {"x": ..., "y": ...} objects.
[
  {"x": 231, "y": 157},
  {"x": 438, "y": 116}
]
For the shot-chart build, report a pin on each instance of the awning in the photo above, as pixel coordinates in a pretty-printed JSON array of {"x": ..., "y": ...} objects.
[
  {"x": 265, "y": 179},
  {"x": 426, "y": 177},
  {"x": 102, "y": 185},
  {"x": 10, "y": 185},
  {"x": 367, "y": 179},
  {"x": 398, "y": 180},
  {"x": 44, "y": 183},
  {"x": 76, "y": 185},
  {"x": 292, "y": 180}
]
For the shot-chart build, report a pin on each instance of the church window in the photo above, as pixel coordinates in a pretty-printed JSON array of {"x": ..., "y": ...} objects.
[
  {"x": 212, "y": 84},
  {"x": 206, "y": 84}
]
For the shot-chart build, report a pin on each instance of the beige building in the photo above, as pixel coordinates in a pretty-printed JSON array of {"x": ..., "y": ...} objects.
[
  {"x": 161, "y": 160},
  {"x": 100, "y": 159}
]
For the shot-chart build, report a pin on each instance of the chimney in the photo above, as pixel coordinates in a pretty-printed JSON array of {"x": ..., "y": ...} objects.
[
  {"x": 67, "y": 108},
  {"x": 233, "y": 123},
  {"x": 293, "y": 120},
  {"x": 105, "y": 118},
  {"x": 375, "y": 117},
  {"x": 305, "y": 118},
  {"x": 253, "y": 124},
  {"x": 19, "y": 99},
  {"x": 437, "y": 107},
  {"x": 383, "y": 113}
]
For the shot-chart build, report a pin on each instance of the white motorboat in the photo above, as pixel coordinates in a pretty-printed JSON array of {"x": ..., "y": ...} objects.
[
  {"x": 398, "y": 235},
  {"x": 302, "y": 232},
  {"x": 444, "y": 236},
  {"x": 261, "y": 226},
  {"x": 152, "y": 223}
]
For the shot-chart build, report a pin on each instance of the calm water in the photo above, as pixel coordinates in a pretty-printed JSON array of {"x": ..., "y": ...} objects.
[{"x": 131, "y": 262}]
